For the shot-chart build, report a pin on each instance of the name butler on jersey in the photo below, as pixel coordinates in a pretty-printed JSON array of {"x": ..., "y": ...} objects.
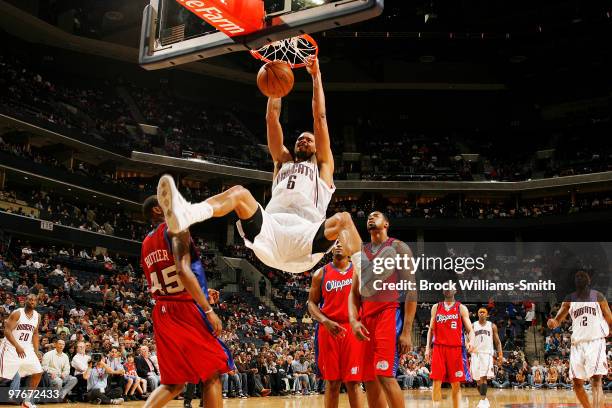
[{"x": 188, "y": 351}]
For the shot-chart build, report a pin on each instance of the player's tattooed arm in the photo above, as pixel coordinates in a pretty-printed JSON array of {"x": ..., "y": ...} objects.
[
  {"x": 182, "y": 259},
  {"x": 280, "y": 154},
  {"x": 314, "y": 298},
  {"x": 561, "y": 315},
  {"x": 432, "y": 321},
  {"x": 498, "y": 344},
  {"x": 406, "y": 273},
  {"x": 9, "y": 326}
]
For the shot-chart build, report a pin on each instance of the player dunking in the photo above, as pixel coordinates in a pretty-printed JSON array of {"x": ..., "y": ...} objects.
[
  {"x": 184, "y": 324},
  {"x": 291, "y": 234},
  {"x": 481, "y": 362},
  {"x": 338, "y": 352},
  {"x": 378, "y": 318},
  {"x": 591, "y": 320},
  {"x": 449, "y": 358},
  {"x": 19, "y": 348}
]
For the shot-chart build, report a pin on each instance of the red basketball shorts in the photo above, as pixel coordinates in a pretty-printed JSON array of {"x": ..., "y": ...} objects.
[
  {"x": 187, "y": 349},
  {"x": 449, "y": 364},
  {"x": 381, "y": 356},
  {"x": 339, "y": 358}
]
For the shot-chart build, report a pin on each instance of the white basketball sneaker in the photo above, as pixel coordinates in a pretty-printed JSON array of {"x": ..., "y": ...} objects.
[{"x": 175, "y": 207}]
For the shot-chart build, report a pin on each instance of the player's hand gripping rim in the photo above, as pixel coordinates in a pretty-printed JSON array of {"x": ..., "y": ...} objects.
[{"x": 312, "y": 65}]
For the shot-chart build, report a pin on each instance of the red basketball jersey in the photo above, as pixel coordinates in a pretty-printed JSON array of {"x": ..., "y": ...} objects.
[
  {"x": 335, "y": 289},
  {"x": 158, "y": 264},
  {"x": 448, "y": 326},
  {"x": 382, "y": 300}
]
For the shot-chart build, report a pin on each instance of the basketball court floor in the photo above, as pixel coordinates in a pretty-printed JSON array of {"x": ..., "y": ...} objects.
[{"x": 414, "y": 399}]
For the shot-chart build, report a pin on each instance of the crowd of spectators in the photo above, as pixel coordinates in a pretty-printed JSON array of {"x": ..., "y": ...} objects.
[
  {"x": 69, "y": 212},
  {"x": 96, "y": 332},
  {"x": 449, "y": 207},
  {"x": 80, "y": 108},
  {"x": 193, "y": 129},
  {"x": 86, "y": 171}
]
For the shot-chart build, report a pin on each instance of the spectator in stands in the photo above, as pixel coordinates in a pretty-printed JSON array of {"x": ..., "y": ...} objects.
[
  {"x": 57, "y": 366},
  {"x": 57, "y": 271},
  {"x": 300, "y": 373},
  {"x": 22, "y": 289},
  {"x": 60, "y": 328},
  {"x": 607, "y": 382},
  {"x": 80, "y": 362},
  {"x": 98, "y": 391},
  {"x": 501, "y": 379},
  {"x": 403, "y": 377},
  {"x": 520, "y": 379},
  {"x": 117, "y": 379},
  {"x": 133, "y": 381},
  {"x": 146, "y": 369}
]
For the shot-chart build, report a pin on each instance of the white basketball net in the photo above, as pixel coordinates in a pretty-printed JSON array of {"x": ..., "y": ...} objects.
[{"x": 294, "y": 51}]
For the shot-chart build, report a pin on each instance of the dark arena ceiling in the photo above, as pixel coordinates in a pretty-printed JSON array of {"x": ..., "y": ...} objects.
[{"x": 511, "y": 43}]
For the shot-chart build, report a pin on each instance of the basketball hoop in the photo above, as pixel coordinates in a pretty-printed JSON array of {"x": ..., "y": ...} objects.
[{"x": 295, "y": 51}]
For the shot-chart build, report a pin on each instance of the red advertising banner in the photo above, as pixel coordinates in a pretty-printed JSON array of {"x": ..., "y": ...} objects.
[{"x": 232, "y": 17}]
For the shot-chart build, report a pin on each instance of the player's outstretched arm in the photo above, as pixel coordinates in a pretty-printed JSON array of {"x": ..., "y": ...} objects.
[
  {"x": 561, "y": 315},
  {"x": 498, "y": 344},
  {"x": 325, "y": 158},
  {"x": 314, "y": 298},
  {"x": 280, "y": 154},
  {"x": 9, "y": 326},
  {"x": 182, "y": 260}
]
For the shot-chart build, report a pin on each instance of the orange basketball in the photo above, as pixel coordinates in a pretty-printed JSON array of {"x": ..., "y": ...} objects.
[{"x": 275, "y": 79}]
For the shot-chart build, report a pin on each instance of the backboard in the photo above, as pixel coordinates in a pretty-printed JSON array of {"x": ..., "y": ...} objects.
[{"x": 172, "y": 35}]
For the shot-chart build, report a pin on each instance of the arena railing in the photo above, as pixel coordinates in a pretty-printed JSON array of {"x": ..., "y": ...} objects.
[
  {"x": 201, "y": 166},
  {"x": 48, "y": 231}
]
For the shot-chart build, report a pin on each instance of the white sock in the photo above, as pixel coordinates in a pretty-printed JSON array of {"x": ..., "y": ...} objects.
[{"x": 201, "y": 211}]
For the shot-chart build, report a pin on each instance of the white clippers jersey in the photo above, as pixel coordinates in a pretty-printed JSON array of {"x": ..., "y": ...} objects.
[
  {"x": 24, "y": 331},
  {"x": 298, "y": 189},
  {"x": 483, "y": 337},
  {"x": 588, "y": 322}
]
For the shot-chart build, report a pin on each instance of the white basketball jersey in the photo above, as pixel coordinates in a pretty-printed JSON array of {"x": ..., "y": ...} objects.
[
  {"x": 298, "y": 189},
  {"x": 24, "y": 331},
  {"x": 588, "y": 323},
  {"x": 483, "y": 337}
]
